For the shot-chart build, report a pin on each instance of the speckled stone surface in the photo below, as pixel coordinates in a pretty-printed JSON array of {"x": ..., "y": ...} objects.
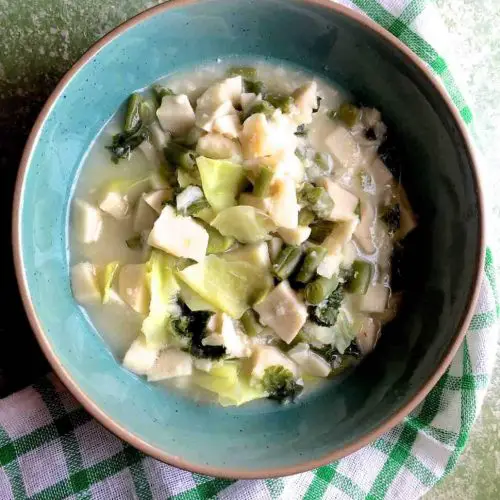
[{"x": 40, "y": 40}]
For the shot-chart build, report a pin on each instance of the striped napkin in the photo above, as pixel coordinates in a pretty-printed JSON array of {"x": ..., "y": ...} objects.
[{"x": 50, "y": 448}]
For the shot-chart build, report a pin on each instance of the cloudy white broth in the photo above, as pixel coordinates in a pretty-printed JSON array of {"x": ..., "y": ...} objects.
[{"x": 232, "y": 233}]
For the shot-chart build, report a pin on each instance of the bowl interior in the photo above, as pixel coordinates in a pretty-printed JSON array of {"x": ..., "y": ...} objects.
[{"x": 436, "y": 174}]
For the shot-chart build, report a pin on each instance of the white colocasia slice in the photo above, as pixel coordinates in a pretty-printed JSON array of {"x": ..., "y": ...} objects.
[
  {"x": 133, "y": 288},
  {"x": 256, "y": 137},
  {"x": 374, "y": 300},
  {"x": 171, "y": 363},
  {"x": 140, "y": 358},
  {"x": 344, "y": 202},
  {"x": 158, "y": 199},
  {"x": 115, "y": 205},
  {"x": 363, "y": 233},
  {"x": 224, "y": 333},
  {"x": 283, "y": 311},
  {"x": 334, "y": 244},
  {"x": 295, "y": 236},
  {"x": 87, "y": 221},
  {"x": 84, "y": 283},
  {"x": 344, "y": 148},
  {"x": 218, "y": 147},
  {"x": 308, "y": 361},
  {"x": 179, "y": 236},
  {"x": 265, "y": 356},
  {"x": 176, "y": 114},
  {"x": 228, "y": 125},
  {"x": 217, "y": 101},
  {"x": 305, "y": 100},
  {"x": 144, "y": 216},
  {"x": 284, "y": 209}
]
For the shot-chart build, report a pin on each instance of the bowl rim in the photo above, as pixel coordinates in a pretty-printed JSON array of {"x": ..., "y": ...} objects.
[{"x": 135, "y": 440}]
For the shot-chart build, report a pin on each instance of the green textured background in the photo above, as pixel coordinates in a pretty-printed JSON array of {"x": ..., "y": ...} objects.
[{"x": 40, "y": 39}]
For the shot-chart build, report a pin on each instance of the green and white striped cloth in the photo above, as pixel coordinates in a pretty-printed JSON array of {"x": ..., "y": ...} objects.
[{"x": 50, "y": 448}]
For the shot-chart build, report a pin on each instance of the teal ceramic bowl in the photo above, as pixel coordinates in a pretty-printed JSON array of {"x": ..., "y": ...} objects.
[{"x": 262, "y": 439}]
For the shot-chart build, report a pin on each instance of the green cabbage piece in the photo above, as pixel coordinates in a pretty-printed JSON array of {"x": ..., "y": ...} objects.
[
  {"x": 221, "y": 180},
  {"x": 130, "y": 189},
  {"x": 231, "y": 287},
  {"x": 226, "y": 381},
  {"x": 246, "y": 224},
  {"x": 164, "y": 289},
  {"x": 107, "y": 277},
  {"x": 193, "y": 300}
]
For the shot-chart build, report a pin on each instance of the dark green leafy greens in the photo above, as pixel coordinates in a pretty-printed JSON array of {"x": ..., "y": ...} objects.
[
  {"x": 192, "y": 326},
  {"x": 339, "y": 362},
  {"x": 280, "y": 384},
  {"x": 326, "y": 312},
  {"x": 134, "y": 132}
]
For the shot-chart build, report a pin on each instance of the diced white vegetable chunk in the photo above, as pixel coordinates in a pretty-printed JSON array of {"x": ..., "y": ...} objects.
[
  {"x": 372, "y": 118},
  {"x": 176, "y": 114},
  {"x": 344, "y": 148},
  {"x": 248, "y": 100},
  {"x": 228, "y": 125},
  {"x": 368, "y": 335},
  {"x": 236, "y": 344},
  {"x": 374, "y": 300},
  {"x": 274, "y": 244},
  {"x": 203, "y": 364},
  {"x": 284, "y": 208},
  {"x": 250, "y": 200},
  {"x": 87, "y": 221},
  {"x": 179, "y": 236},
  {"x": 144, "y": 216},
  {"x": 381, "y": 174},
  {"x": 218, "y": 147},
  {"x": 218, "y": 100},
  {"x": 256, "y": 137},
  {"x": 132, "y": 287},
  {"x": 334, "y": 243},
  {"x": 309, "y": 362},
  {"x": 115, "y": 205},
  {"x": 84, "y": 283},
  {"x": 187, "y": 197},
  {"x": 158, "y": 137},
  {"x": 150, "y": 152},
  {"x": 363, "y": 233},
  {"x": 291, "y": 166},
  {"x": 305, "y": 99},
  {"x": 171, "y": 363},
  {"x": 349, "y": 254},
  {"x": 319, "y": 335},
  {"x": 205, "y": 117},
  {"x": 284, "y": 163},
  {"x": 229, "y": 89},
  {"x": 140, "y": 358},
  {"x": 295, "y": 236},
  {"x": 265, "y": 356},
  {"x": 344, "y": 202},
  {"x": 157, "y": 199},
  {"x": 283, "y": 311},
  {"x": 407, "y": 218},
  {"x": 232, "y": 88}
]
